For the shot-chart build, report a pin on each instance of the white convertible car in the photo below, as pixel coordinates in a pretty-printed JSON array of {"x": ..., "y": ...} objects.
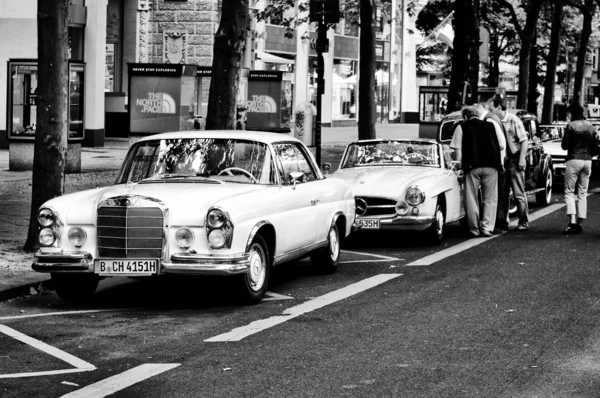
[
  {"x": 198, "y": 203},
  {"x": 403, "y": 184}
]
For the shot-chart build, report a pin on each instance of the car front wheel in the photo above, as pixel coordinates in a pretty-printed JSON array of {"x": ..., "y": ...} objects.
[
  {"x": 253, "y": 284},
  {"x": 74, "y": 288},
  {"x": 328, "y": 258},
  {"x": 544, "y": 198},
  {"x": 436, "y": 231}
]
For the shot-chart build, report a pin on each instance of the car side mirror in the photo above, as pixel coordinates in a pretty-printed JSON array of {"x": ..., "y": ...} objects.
[
  {"x": 326, "y": 168},
  {"x": 296, "y": 177}
]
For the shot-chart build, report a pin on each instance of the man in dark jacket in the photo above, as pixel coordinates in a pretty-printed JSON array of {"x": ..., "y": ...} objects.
[{"x": 480, "y": 163}]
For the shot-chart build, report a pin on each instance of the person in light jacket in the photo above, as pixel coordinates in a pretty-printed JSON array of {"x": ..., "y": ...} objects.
[{"x": 579, "y": 141}]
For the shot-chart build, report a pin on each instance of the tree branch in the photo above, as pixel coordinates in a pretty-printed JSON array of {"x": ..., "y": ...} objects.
[
  {"x": 576, "y": 4},
  {"x": 513, "y": 15}
]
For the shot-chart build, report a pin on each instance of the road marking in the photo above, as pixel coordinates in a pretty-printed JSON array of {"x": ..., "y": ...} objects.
[
  {"x": 311, "y": 305},
  {"x": 51, "y": 314},
  {"x": 276, "y": 296},
  {"x": 451, "y": 251},
  {"x": 121, "y": 381},
  {"x": 380, "y": 256},
  {"x": 79, "y": 364}
]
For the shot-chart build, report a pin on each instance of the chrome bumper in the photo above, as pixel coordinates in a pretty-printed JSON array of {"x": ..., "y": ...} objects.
[
  {"x": 401, "y": 222},
  {"x": 183, "y": 263}
]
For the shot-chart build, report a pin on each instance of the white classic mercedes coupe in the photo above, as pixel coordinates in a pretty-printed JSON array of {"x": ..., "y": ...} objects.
[
  {"x": 403, "y": 184},
  {"x": 198, "y": 203}
]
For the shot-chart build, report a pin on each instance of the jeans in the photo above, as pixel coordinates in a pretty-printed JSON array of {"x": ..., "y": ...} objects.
[
  {"x": 517, "y": 183},
  {"x": 503, "y": 197},
  {"x": 577, "y": 178},
  {"x": 487, "y": 178}
]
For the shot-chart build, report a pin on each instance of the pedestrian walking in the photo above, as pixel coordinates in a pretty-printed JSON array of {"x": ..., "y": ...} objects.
[
  {"x": 516, "y": 144},
  {"x": 580, "y": 143},
  {"x": 503, "y": 173},
  {"x": 481, "y": 161}
]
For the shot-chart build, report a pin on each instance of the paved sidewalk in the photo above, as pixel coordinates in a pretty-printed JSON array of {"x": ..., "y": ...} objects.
[{"x": 97, "y": 165}]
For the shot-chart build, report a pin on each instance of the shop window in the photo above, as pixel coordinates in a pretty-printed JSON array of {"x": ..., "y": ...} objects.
[
  {"x": 24, "y": 82},
  {"x": 344, "y": 84},
  {"x": 76, "y": 97}
]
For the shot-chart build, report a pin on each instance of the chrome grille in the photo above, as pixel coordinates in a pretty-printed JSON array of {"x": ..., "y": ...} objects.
[
  {"x": 130, "y": 232},
  {"x": 378, "y": 207}
]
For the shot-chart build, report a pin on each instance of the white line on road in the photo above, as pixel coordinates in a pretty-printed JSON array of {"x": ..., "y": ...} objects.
[
  {"x": 311, "y": 305},
  {"x": 435, "y": 257},
  {"x": 121, "y": 381},
  {"x": 380, "y": 256},
  {"x": 81, "y": 365},
  {"x": 5, "y": 318}
]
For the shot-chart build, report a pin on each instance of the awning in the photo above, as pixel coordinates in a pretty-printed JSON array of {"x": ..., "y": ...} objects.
[{"x": 272, "y": 58}]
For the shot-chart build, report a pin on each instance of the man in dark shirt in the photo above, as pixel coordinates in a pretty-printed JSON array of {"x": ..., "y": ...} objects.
[{"x": 480, "y": 163}]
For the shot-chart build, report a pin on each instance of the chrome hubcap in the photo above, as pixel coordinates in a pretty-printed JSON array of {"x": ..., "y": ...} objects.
[
  {"x": 439, "y": 220},
  {"x": 257, "y": 272},
  {"x": 334, "y": 245}
]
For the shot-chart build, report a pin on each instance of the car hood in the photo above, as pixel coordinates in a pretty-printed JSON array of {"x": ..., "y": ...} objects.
[
  {"x": 553, "y": 148},
  {"x": 381, "y": 179},
  {"x": 187, "y": 202}
]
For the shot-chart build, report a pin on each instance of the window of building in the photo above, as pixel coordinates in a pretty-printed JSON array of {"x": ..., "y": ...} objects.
[
  {"x": 344, "y": 83},
  {"x": 114, "y": 46}
]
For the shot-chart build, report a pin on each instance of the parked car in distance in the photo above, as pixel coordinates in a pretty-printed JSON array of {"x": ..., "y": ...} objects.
[
  {"x": 403, "y": 184},
  {"x": 539, "y": 168},
  {"x": 552, "y": 139},
  {"x": 198, "y": 203}
]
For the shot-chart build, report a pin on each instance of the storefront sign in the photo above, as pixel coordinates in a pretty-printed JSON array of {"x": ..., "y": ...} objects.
[{"x": 265, "y": 101}]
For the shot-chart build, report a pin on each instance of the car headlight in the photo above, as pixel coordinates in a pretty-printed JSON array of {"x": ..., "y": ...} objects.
[
  {"x": 217, "y": 238},
  {"x": 77, "y": 236},
  {"x": 184, "y": 237},
  {"x": 216, "y": 218},
  {"x": 46, "y": 217},
  {"x": 414, "y": 196},
  {"x": 46, "y": 237},
  {"x": 401, "y": 208}
]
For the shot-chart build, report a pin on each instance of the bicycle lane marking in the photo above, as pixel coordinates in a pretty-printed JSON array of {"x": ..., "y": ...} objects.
[
  {"x": 79, "y": 364},
  {"x": 451, "y": 251},
  {"x": 240, "y": 333}
]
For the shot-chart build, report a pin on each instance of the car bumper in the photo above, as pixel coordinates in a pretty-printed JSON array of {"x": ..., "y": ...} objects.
[
  {"x": 187, "y": 264},
  {"x": 400, "y": 223}
]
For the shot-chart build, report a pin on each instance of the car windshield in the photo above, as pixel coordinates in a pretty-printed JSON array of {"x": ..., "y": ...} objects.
[
  {"x": 392, "y": 152},
  {"x": 199, "y": 160}
]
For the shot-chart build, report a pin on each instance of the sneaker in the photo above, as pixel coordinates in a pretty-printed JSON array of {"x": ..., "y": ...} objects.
[
  {"x": 572, "y": 229},
  {"x": 522, "y": 227}
]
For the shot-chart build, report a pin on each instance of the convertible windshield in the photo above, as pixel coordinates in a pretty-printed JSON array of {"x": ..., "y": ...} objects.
[
  {"x": 199, "y": 160},
  {"x": 392, "y": 152}
]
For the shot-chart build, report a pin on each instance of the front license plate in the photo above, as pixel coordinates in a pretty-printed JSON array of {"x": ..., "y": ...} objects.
[
  {"x": 368, "y": 223},
  {"x": 126, "y": 267}
]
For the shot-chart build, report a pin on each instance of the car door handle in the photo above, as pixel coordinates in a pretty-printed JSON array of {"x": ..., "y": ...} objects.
[{"x": 314, "y": 201}]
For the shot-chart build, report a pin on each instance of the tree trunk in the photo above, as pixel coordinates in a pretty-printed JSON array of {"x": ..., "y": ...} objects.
[
  {"x": 465, "y": 53},
  {"x": 366, "y": 82},
  {"x": 494, "y": 76},
  {"x": 586, "y": 32},
  {"x": 533, "y": 93},
  {"x": 527, "y": 40},
  {"x": 50, "y": 147},
  {"x": 228, "y": 50},
  {"x": 552, "y": 62}
]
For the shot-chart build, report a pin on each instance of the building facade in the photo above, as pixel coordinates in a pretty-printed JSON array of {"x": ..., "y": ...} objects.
[{"x": 106, "y": 36}]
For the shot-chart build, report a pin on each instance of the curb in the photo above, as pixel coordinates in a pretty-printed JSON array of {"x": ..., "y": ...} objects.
[{"x": 20, "y": 291}]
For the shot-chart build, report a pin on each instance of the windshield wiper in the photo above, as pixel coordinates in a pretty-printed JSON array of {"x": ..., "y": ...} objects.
[{"x": 200, "y": 177}]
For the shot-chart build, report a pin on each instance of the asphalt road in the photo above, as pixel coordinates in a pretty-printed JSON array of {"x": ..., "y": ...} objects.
[{"x": 516, "y": 315}]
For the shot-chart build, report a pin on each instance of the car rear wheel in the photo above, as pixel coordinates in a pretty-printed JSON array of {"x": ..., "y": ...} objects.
[
  {"x": 74, "y": 288},
  {"x": 544, "y": 198},
  {"x": 253, "y": 284},
  {"x": 436, "y": 230},
  {"x": 328, "y": 258}
]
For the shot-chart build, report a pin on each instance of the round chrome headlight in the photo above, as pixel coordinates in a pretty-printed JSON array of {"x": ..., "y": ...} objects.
[
  {"x": 184, "y": 237},
  {"x": 46, "y": 237},
  {"x": 216, "y": 218},
  {"x": 401, "y": 208},
  {"x": 77, "y": 236},
  {"x": 217, "y": 238},
  {"x": 414, "y": 196},
  {"x": 46, "y": 217}
]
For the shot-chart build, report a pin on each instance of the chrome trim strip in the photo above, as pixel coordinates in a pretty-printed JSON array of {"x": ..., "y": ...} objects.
[
  {"x": 299, "y": 253},
  {"x": 63, "y": 261},
  {"x": 253, "y": 233}
]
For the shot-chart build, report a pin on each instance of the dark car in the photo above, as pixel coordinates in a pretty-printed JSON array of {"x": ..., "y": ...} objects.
[{"x": 539, "y": 169}]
